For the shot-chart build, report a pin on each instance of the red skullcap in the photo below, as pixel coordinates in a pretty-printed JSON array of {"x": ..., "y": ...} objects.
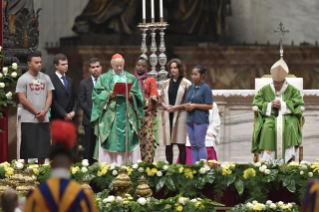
[
  {"x": 117, "y": 56},
  {"x": 63, "y": 132}
]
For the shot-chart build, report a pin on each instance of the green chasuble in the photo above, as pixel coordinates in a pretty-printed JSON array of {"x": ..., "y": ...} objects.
[
  {"x": 110, "y": 122},
  {"x": 265, "y": 132}
]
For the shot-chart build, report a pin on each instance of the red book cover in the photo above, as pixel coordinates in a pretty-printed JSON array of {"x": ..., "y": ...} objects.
[{"x": 119, "y": 87}]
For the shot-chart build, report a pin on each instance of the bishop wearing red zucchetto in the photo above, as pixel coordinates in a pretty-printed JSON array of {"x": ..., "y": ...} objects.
[{"x": 109, "y": 117}]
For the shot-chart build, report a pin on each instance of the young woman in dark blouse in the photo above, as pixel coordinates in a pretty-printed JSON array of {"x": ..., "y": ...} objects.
[
  {"x": 173, "y": 95},
  {"x": 198, "y": 102}
]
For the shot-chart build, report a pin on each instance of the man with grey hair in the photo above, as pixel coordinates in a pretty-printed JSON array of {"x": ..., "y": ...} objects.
[
  {"x": 109, "y": 117},
  {"x": 9, "y": 200}
]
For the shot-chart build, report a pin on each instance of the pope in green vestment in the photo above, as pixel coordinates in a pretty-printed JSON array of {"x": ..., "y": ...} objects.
[
  {"x": 278, "y": 137},
  {"x": 109, "y": 114}
]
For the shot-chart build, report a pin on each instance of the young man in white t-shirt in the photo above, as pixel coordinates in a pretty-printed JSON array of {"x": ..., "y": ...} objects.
[{"x": 35, "y": 94}]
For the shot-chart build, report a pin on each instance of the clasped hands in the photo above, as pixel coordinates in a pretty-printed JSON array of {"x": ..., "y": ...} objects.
[
  {"x": 69, "y": 116},
  {"x": 40, "y": 115},
  {"x": 276, "y": 104}
]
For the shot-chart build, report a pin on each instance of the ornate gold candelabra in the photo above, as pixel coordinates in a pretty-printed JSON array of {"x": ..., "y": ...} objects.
[{"x": 122, "y": 184}]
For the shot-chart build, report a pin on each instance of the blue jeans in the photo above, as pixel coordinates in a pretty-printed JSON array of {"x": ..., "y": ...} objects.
[{"x": 196, "y": 136}]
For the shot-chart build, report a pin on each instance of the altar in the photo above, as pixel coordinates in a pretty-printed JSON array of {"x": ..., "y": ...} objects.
[{"x": 237, "y": 121}]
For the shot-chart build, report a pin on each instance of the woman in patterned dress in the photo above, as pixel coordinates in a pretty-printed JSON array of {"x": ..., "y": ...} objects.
[{"x": 150, "y": 94}]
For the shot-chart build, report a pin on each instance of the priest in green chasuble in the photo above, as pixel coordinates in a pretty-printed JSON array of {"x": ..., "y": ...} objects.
[
  {"x": 277, "y": 133},
  {"x": 109, "y": 116}
]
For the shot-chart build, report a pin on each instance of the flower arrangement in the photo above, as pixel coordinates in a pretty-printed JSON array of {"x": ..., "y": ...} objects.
[
  {"x": 106, "y": 202},
  {"x": 251, "y": 181},
  {"x": 268, "y": 207},
  {"x": 8, "y": 77}
]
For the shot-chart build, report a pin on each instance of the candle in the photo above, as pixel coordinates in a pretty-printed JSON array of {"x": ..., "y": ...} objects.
[
  {"x": 161, "y": 10},
  {"x": 152, "y": 11},
  {"x": 144, "y": 11}
]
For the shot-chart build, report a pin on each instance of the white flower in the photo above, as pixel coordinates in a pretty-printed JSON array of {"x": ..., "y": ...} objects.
[
  {"x": 1, "y": 75},
  {"x": 119, "y": 199},
  {"x": 105, "y": 200},
  {"x": 166, "y": 162},
  {"x": 289, "y": 205},
  {"x": 111, "y": 198},
  {"x": 267, "y": 171},
  {"x": 263, "y": 206},
  {"x": 2, "y": 85},
  {"x": 165, "y": 167},
  {"x": 159, "y": 174},
  {"x": 141, "y": 169},
  {"x": 114, "y": 172},
  {"x": 203, "y": 160},
  {"x": 310, "y": 174},
  {"x": 254, "y": 202},
  {"x": 14, "y": 74},
  {"x": 142, "y": 200},
  {"x": 258, "y": 164},
  {"x": 207, "y": 168},
  {"x": 182, "y": 200},
  {"x": 21, "y": 161},
  {"x": 280, "y": 203},
  {"x": 249, "y": 205},
  {"x": 305, "y": 163},
  {"x": 202, "y": 170},
  {"x": 19, "y": 165},
  {"x": 301, "y": 172},
  {"x": 14, "y": 66},
  {"x": 139, "y": 161},
  {"x": 194, "y": 200},
  {"x": 303, "y": 167},
  {"x": 84, "y": 170},
  {"x": 262, "y": 160},
  {"x": 0, "y": 48},
  {"x": 9, "y": 95},
  {"x": 135, "y": 166},
  {"x": 262, "y": 168},
  {"x": 224, "y": 164},
  {"x": 268, "y": 202},
  {"x": 85, "y": 162},
  {"x": 5, "y": 70},
  {"x": 112, "y": 167},
  {"x": 167, "y": 206},
  {"x": 272, "y": 206},
  {"x": 197, "y": 163}
]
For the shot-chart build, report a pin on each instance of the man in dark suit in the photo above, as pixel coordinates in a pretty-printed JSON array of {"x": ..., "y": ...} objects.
[
  {"x": 85, "y": 99},
  {"x": 64, "y": 99}
]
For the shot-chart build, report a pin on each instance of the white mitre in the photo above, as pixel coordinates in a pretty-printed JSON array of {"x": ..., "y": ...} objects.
[{"x": 279, "y": 70}]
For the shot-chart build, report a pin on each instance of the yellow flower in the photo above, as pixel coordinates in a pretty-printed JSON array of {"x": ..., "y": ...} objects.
[
  {"x": 129, "y": 169},
  {"x": 202, "y": 207},
  {"x": 36, "y": 171},
  {"x": 179, "y": 208},
  {"x": 155, "y": 164},
  {"x": 194, "y": 171},
  {"x": 74, "y": 169},
  {"x": 103, "y": 163},
  {"x": 126, "y": 202},
  {"x": 188, "y": 173},
  {"x": 199, "y": 199},
  {"x": 151, "y": 172},
  {"x": 293, "y": 164},
  {"x": 176, "y": 204},
  {"x": 315, "y": 167},
  {"x": 9, "y": 171},
  {"x": 5, "y": 164},
  {"x": 181, "y": 170},
  {"x": 283, "y": 206},
  {"x": 226, "y": 171},
  {"x": 249, "y": 173},
  {"x": 99, "y": 174},
  {"x": 257, "y": 207}
]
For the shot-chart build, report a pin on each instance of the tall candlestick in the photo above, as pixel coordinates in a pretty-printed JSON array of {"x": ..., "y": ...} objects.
[
  {"x": 144, "y": 11},
  {"x": 161, "y": 10},
  {"x": 152, "y": 11}
]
